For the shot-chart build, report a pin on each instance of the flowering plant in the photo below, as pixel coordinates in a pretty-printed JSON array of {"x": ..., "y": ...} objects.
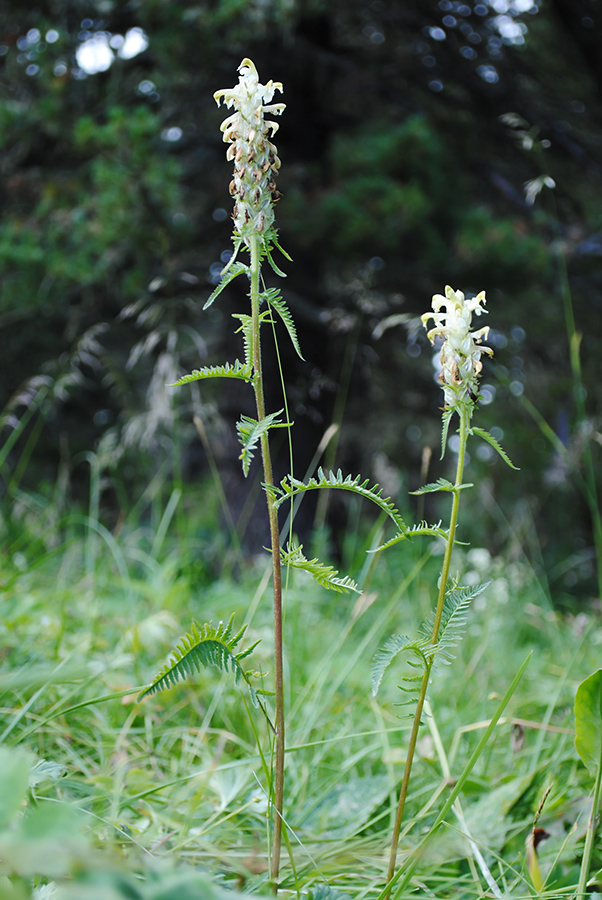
[{"x": 462, "y": 349}]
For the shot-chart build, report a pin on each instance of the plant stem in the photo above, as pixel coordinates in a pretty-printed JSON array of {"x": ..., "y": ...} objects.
[
  {"x": 464, "y": 412},
  {"x": 592, "y": 827},
  {"x": 278, "y": 786}
]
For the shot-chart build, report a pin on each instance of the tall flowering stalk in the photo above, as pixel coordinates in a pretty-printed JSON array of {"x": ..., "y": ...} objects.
[
  {"x": 253, "y": 188},
  {"x": 461, "y": 364}
]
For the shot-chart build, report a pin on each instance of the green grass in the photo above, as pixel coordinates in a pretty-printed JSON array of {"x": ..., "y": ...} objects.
[{"x": 89, "y": 615}]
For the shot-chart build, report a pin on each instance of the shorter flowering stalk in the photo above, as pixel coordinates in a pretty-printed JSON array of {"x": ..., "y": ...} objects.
[{"x": 461, "y": 365}]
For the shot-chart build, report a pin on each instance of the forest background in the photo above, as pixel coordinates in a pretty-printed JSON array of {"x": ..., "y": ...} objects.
[{"x": 399, "y": 176}]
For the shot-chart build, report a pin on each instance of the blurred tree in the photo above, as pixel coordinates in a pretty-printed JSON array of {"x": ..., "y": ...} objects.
[{"x": 398, "y": 176}]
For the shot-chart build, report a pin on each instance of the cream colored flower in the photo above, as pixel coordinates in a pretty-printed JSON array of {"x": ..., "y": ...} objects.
[
  {"x": 461, "y": 352},
  {"x": 255, "y": 157}
]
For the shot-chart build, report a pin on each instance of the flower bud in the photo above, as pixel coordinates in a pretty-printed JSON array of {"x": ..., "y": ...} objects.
[{"x": 255, "y": 157}]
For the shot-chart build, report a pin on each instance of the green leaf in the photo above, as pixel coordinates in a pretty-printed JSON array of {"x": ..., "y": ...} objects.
[
  {"x": 249, "y": 432},
  {"x": 415, "y": 531},
  {"x": 274, "y": 299},
  {"x": 453, "y": 620},
  {"x": 442, "y": 484},
  {"x": 384, "y": 656},
  {"x": 327, "y": 576},
  {"x": 237, "y": 370},
  {"x": 205, "y": 646},
  {"x": 290, "y": 486},
  {"x": 230, "y": 272},
  {"x": 246, "y": 326},
  {"x": 268, "y": 252},
  {"x": 325, "y": 892},
  {"x": 15, "y": 766},
  {"x": 46, "y": 770},
  {"x": 446, "y": 419},
  {"x": 496, "y": 446},
  {"x": 588, "y": 722}
]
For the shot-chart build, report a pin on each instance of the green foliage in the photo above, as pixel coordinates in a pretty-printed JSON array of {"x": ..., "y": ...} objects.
[
  {"x": 231, "y": 271},
  {"x": 250, "y": 432},
  {"x": 290, "y": 487},
  {"x": 326, "y": 576},
  {"x": 228, "y": 370},
  {"x": 426, "y": 653},
  {"x": 442, "y": 484},
  {"x": 206, "y": 646},
  {"x": 495, "y": 444},
  {"x": 588, "y": 722},
  {"x": 274, "y": 299},
  {"x": 422, "y": 529}
]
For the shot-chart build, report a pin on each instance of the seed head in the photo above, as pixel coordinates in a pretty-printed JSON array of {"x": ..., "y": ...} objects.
[
  {"x": 255, "y": 157},
  {"x": 461, "y": 352}
]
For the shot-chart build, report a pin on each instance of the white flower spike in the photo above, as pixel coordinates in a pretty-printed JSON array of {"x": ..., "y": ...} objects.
[
  {"x": 461, "y": 352},
  {"x": 255, "y": 157}
]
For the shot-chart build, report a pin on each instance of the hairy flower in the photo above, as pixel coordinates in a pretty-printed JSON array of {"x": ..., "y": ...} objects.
[
  {"x": 461, "y": 352},
  {"x": 255, "y": 157}
]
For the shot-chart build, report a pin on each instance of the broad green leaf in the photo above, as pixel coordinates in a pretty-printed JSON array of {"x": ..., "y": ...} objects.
[
  {"x": 325, "y": 892},
  {"x": 588, "y": 721},
  {"x": 15, "y": 767}
]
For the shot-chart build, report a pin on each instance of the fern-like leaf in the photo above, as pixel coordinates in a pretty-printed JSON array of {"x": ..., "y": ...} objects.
[
  {"x": 426, "y": 654},
  {"x": 396, "y": 644},
  {"x": 415, "y": 531},
  {"x": 231, "y": 271},
  {"x": 274, "y": 298},
  {"x": 442, "y": 484},
  {"x": 290, "y": 487},
  {"x": 246, "y": 327},
  {"x": 228, "y": 370},
  {"x": 445, "y": 420},
  {"x": 327, "y": 576},
  {"x": 249, "y": 432},
  {"x": 453, "y": 620},
  {"x": 205, "y": 646},
  {"x": 496, "y": 446}
]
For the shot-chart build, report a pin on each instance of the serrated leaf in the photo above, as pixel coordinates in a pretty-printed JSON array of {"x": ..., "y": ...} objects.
[
  {"x": 229, "y": 273},
  {"x": 442, "y": 484},
  {"x": 228, "y": 370},
  {"x": 326, "y": 576},
  {"x": 290, "y": 487},
  {"x": 445, "y": 420},
  {"x": 205, "y": 646},
  {"x": 268, "y": 253},
  {"x": 496, "y": 446},
  {"x": 274, "y": 299},
  {"x": 385, "y": 655},
  {"x": 249, "y": 432},
  {"x": 588, "y": 722},
  {"x": 421, "y": 530},
  {"x": 453, "y": 620}
]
